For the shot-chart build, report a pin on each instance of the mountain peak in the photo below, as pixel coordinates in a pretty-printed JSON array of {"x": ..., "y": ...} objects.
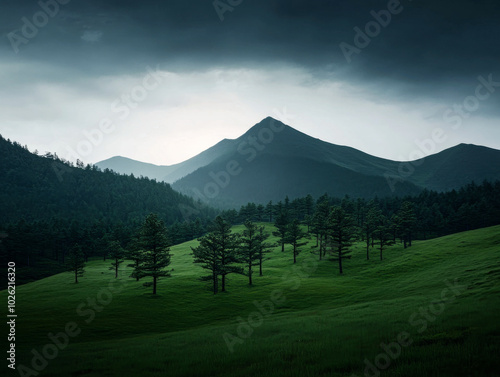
[{"x": 269, "y": 123}]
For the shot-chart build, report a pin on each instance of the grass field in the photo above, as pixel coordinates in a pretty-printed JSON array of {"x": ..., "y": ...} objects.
[{"x": 442, "y": 296}]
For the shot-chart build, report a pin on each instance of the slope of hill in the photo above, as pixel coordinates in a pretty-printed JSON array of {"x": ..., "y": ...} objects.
[
  {"x": 40, "y": 188},
  {"x": 457, "y": 166},
  {"x": 440, "y": 298}
]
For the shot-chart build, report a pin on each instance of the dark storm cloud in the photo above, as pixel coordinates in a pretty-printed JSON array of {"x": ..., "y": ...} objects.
[{"x": 429, "y": 49}]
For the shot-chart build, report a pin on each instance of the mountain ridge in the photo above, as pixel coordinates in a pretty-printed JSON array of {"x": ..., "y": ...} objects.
[{"x": 315, "y": 166}]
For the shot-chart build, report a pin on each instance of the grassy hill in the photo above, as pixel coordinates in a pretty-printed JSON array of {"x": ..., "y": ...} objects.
[{"x": 325, "y": 324}]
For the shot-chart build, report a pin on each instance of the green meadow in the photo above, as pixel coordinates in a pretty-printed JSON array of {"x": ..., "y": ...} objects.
[{"x": 430, "y": 310}]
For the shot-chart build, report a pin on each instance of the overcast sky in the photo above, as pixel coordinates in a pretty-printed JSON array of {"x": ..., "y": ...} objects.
[{"x": 167, "y": 79}]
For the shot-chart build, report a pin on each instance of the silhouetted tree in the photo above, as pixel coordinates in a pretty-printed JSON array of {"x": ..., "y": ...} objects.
[
  {"x": 154, "y": 244},
  {"x": 76, "y": 261},
  {"x": 342, "y": 233},
  {"x": 293, "y": 236},
  {"x": 116, "y": 253}
]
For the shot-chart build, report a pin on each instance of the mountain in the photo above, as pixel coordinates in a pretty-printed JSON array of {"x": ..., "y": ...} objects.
[
  {"x": 35, "y": 188},
  {"x": 272, "y": 160},
  {"x": 165, "y": 173}
]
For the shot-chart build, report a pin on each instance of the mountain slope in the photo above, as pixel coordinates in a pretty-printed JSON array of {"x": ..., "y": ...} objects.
[
  {"x": 457, "y": 166},
  {"x": 275, "y": 160},
  {"x": 165, "y": 173}
]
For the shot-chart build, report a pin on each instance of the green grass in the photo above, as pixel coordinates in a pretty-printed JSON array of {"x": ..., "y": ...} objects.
[{"x": 327, "y": 325}]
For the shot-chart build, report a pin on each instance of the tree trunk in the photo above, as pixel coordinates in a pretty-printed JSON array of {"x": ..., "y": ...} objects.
[
  {"x": 250, "y": 273},
  {"x": 340, "y": 261},
  {"x": 76, "y": 276},
  {"x": 215, "y": 281},
  {"x": 282, "y": 246},
  {"x": 260, "y": 265},
  {"x": 321, "y": 249},
  {"x": 223, "y": 288},
  {"x": 294, "y": 255},
  {"x": 154, "y": 285}
]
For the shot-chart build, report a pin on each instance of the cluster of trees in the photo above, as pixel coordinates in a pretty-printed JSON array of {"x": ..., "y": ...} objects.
[
  {"x": 436, "y": 213},
  {"x": 222, "y": 252},
  {"x": 149, "y": 252}
]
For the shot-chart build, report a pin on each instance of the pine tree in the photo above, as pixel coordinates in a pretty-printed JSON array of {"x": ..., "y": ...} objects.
[
  {"x": 293, "y": 236},
  {"x": 320, "y": 225},
  {"x": 264, "y": 247},
  {"x": 207, "y": 254},
  {"x": 281, "y": 223},
  {"x": 383, "y": 234},
  {"x": 249, "y": 249},
  {"x": 269, "y": 211},
  {"x": 155, "y": 251},
  {"x": 217, "y": 253},
  {"x": 370, "y": 224},
  {"x": 342, "y": 234},
  {"x": 407, "y": 221},
  {"x": 116, "y": 253},
  {"x": 76, "y": 261}
]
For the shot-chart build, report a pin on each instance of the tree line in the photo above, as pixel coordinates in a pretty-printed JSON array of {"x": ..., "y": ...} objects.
[{"x": 436, "y": 213}]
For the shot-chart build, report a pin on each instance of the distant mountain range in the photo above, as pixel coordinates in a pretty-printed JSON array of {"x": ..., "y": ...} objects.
[{"x": 272, "y": 160}]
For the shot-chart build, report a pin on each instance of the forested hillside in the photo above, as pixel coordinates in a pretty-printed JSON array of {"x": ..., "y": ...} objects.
[{"x": 48, "y": 205}]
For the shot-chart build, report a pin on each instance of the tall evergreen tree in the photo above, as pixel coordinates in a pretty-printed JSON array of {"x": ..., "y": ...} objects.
[
  {"x": 249, "y": 249},
  {"x": 369, "y": 226},
  {"x": 294, "y": 235},
  {"x": 407, "y": 219},
  {"x": 116, "y": 253},
  {"x": 281, "y": 224},
  {"x": 217, "y": 252},
  {"x": 264, "y": 247},
  {"x": 156, "y": 252},
  {"x": 270, "y": 211},
  {"x": 342, "y": 233},
  {"x": 76, "y": 261},
  {"x": 320, "y": 225},
  {"x": 207, "y": 254},
  {"x": 383, "y": 234}
]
